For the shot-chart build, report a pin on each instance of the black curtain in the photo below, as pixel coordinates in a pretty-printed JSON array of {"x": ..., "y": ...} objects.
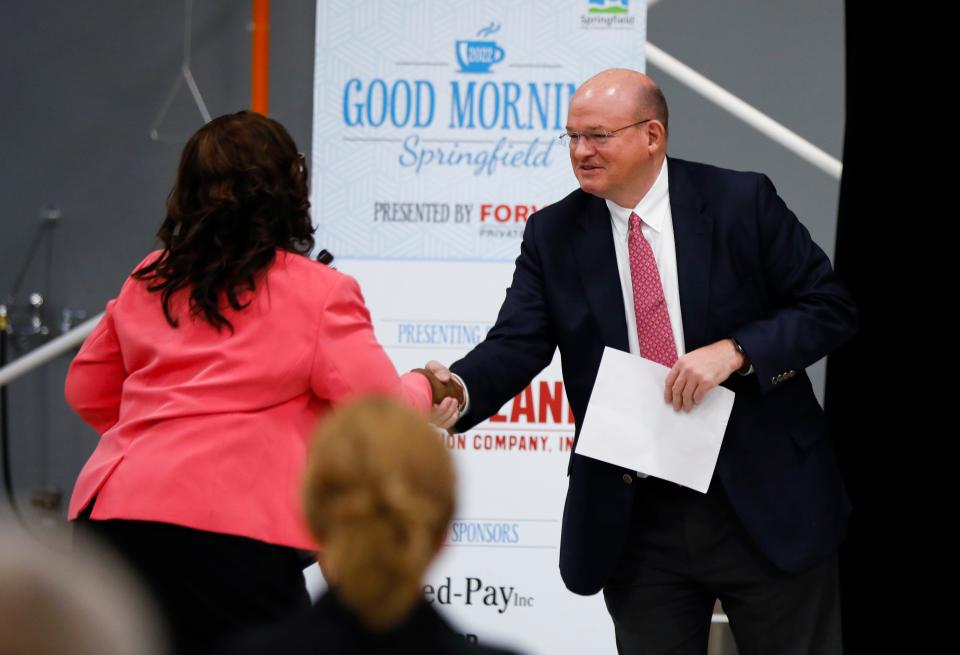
[{"x": 892, "y": 393}]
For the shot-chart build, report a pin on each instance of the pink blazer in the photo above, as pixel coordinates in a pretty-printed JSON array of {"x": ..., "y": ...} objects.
[{"x": 209, "y": 430}]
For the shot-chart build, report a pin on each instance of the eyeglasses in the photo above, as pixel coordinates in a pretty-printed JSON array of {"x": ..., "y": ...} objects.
[{"x": 598, "y": 138}]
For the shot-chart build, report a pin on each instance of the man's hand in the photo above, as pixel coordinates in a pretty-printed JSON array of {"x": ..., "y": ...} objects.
[{"x": 699, "y": 371}]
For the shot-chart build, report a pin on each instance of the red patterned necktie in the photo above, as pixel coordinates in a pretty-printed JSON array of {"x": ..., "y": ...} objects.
[{"x": 653, "y": 322}]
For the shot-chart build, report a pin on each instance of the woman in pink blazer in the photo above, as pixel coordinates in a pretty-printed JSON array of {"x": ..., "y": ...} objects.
[{"x": 205, "y": 377}]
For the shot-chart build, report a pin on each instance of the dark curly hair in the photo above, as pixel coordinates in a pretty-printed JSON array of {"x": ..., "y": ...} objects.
[{"x": 240, "y": 194}]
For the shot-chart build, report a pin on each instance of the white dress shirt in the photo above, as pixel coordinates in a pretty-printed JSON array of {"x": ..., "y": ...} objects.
[{"x": 657, "y": 226}]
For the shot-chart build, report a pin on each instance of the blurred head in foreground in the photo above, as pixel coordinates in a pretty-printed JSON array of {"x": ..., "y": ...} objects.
[
  {"x": 82, "y": 604},
  {"x": 379, "y": 497}
]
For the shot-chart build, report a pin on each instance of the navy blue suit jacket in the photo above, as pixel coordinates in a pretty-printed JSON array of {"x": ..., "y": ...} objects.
[{"x": 747, "y": 269}]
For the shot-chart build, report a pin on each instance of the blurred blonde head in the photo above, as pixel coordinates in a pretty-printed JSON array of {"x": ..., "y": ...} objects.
[
  {"x": 85, "y": 604},
  {"x": 379, "y": 497}
]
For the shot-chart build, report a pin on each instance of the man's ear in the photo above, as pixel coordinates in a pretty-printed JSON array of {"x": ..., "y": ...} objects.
[{"x": 656, "y": 136}]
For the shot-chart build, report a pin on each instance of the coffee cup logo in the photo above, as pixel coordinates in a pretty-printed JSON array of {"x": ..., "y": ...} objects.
[{"x": 478, "y": 56}]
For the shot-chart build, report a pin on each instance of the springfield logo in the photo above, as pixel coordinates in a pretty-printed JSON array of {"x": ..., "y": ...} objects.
[
  {"x": 609, "y": 6},
  {"x": 607, "y": 14},
  {"x": 480, "y": 54}
]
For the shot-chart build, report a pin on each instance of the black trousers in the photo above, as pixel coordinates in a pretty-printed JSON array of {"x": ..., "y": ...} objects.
[
  {"x": 686, "y": 550},
  {"x": 207, "y": 585}
]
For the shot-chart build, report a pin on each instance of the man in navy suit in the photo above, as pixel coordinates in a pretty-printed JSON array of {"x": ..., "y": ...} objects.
[{"x": 707, "y": 271}]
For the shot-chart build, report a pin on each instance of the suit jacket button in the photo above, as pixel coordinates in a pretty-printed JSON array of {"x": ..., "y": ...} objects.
[{"x": 627, "y": 478}]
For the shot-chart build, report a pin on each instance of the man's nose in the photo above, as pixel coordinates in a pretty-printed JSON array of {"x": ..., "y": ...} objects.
[{"x": 584, "y": 147}]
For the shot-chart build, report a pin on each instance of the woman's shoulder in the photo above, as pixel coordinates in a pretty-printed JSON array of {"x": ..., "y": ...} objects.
[
  {"x": 136, "y": 287},
  {"x": 296, "y": 264},
  {"x": 299, "y": 276}
]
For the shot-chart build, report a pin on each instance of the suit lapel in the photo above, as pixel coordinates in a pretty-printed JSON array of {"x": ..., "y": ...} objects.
[
  {"x": 693, "y": 235},
  {"x": 597, "y": 264}
]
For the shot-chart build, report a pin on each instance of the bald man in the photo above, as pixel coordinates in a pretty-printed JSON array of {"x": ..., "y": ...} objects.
[{"x": 706, "y": 271}]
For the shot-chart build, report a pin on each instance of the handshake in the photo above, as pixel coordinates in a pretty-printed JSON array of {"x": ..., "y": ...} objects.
[{"x": 449, "y": 397}]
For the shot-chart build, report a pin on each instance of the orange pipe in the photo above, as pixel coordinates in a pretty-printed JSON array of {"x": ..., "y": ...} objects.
[{"x": 260, "y": 58}]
